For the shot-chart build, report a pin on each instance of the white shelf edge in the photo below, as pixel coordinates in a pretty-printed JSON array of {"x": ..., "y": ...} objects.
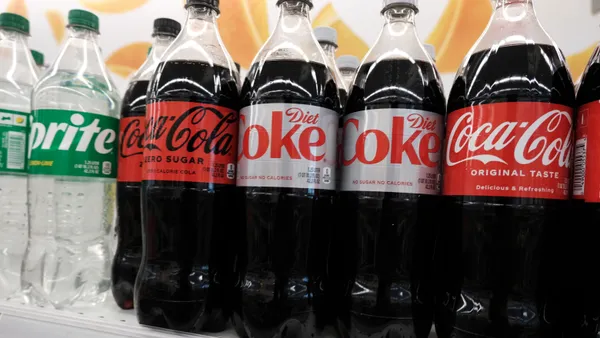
[{"x": 107, "y": 320}]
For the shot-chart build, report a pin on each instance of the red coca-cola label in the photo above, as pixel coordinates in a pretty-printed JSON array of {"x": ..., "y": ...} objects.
[
  {"x": 586, "y": 176},
  {"x": 510, "y": 149},
  {"x": 131, "y": 149},
  {"x": 190, "y": 142}
]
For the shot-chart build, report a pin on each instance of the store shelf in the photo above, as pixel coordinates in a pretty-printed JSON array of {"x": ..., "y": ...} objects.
[{"x": 108, "y": 321}]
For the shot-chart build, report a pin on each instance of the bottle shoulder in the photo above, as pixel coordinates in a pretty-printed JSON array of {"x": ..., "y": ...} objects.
[
  {"x": 291, "y": 81},
  {"x": 397, "y": 83},
  {"x": 65, "y": 90},
  {"x": 534, "y": 73}
]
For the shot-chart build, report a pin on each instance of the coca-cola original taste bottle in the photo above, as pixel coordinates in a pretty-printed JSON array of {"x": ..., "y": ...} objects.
[
  {"x": 392, "y": 137},
  {"x": 131, "y": 148},
  {"x": 286, "y": 180},
  {"x": 507, "y": 178},
  {"x": 186, "y": 276}
]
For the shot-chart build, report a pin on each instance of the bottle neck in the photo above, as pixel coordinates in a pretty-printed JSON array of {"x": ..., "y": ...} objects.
[
  {"x": 294, "y": 17},
  {"x": 513, "y": 22},
  {"x": 81, "y": 53},
  {"x": 505, "y": 3},
  {"x": 15, "y": 53},
  {"x": 400, "y": 15},
  {"x": 160, "y": 44},
  {"x": 329, "y": 50},
  {"x": 201, "y": 20}
]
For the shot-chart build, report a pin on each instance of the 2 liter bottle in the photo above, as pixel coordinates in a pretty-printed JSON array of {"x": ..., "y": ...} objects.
[
  {"x": 185, "y": 279},
  {"x": 72, "y": 174},
  {"x": 509, "y": 266}
]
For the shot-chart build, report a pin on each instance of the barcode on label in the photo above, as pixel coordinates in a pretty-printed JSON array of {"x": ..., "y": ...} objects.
[
  {"x": 15, "y": 152},
  {"x": 579, "y": 170}
]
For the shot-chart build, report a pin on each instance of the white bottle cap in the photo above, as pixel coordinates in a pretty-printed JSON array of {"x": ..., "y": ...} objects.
[
  {"x": 348, "y": 62},
  {"x": 431, "y": 50},
  {"x": 391, "y": 3},
  {"x": 326, "y": 35}
]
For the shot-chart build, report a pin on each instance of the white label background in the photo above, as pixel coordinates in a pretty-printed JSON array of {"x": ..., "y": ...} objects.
[
  {"x": 263, "y": 172},
  {"x": 385, "y": 174}
]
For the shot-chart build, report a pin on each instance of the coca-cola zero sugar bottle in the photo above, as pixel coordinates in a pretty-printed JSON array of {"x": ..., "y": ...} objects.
[
  {"x": 286, "y": 180},
  {"x": 188, "y": 181},
  {"x": 392, "y": 149},
  {"x": 506, "y": 179},
  {"x": 131, "y": 148}
]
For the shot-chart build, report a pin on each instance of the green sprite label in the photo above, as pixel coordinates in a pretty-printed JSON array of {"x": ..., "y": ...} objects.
[
  {"x": 70, "y": 143},
  {"x": 13, "y": 138}
]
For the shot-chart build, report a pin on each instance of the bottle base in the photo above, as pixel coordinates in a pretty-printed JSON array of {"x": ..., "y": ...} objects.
[{"x": 186, "y": 316}]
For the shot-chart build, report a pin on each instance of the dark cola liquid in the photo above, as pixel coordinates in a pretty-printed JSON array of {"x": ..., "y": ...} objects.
[
  {"x": 126, "y": 262},
  {"x": 507, "y": 255},
  {"x": 583, "y": 287},
  {"x": 287, "y": 230},
  {"x": 186, "y": 278},
  {"x": 383, "y": 252}
]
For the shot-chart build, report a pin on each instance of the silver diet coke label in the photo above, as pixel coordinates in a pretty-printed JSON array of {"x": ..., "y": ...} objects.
[
  {"x": 287, "y": 145},
  {"x": 392, "y": 150}
]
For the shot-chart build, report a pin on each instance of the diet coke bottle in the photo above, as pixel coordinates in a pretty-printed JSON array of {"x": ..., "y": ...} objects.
[
  {"x": 392, "y": 149},
  {"x": 586, "y": 192},
  {"x": 507, "y": 179},
  {"x": 188, "y": 181},
  {"x": 286, "y": 180}
]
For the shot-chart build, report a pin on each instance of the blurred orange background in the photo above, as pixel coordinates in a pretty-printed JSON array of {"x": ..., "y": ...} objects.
[{"x": 452, "y": 26}]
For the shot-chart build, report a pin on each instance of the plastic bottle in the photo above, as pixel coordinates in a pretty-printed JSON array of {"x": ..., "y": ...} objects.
[
  {"x": 390, "y": 193},
  {"x": 507, "y": 182},
  {"x": 186, "y": 277},
  {"x": 128, "y": 255},
  {"x": 18, "y": 75},
  {"x": 348, "y": 65},
  {"x": 38, "y": 57},
  {"x": 328, "y": 39},
  {"x": 73, "y": 170},
  {"x": 287, "y": 181}
]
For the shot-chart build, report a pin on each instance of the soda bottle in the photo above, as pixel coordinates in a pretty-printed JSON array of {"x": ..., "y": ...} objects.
[
  {"x": 584, "y": 279},
  {"x": 328, "y": 40},
  {"x": 188, "y": 181},
  {"x": 72, "y": 173},
  {"x": 131, "y": 147},
  {"x": 286, "y": 180},
  {"x": 507, "y": 181},
  {"x": 39, "y": 60},
  {"x": 18, "y": 75},
  {"x": 348, "y": 65},
  {"x": 391, "y": 163},
  {"x": 431, "y": 50}
]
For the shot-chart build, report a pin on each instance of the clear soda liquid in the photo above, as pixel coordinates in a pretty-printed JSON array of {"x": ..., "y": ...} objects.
[
  {"x": 71, "y": 218},
  {"x": 17, "y": 78}
]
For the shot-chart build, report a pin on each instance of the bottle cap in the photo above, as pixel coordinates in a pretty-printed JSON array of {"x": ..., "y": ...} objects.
[
  {"x": 308, "y": 2},
  {"x": 164, "y": 26},
  {"x": 213, "y": 4},
  {"x": 348, "y": 62},
  {"x": 84, "y": 19},
  {"x": 387, "y": 4},
  {"x": 430, "y": 49},
  {"x": 14, "y": 22},
  {"x": 326, "y": 35},
  {"x": 37, "y": 57}
]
